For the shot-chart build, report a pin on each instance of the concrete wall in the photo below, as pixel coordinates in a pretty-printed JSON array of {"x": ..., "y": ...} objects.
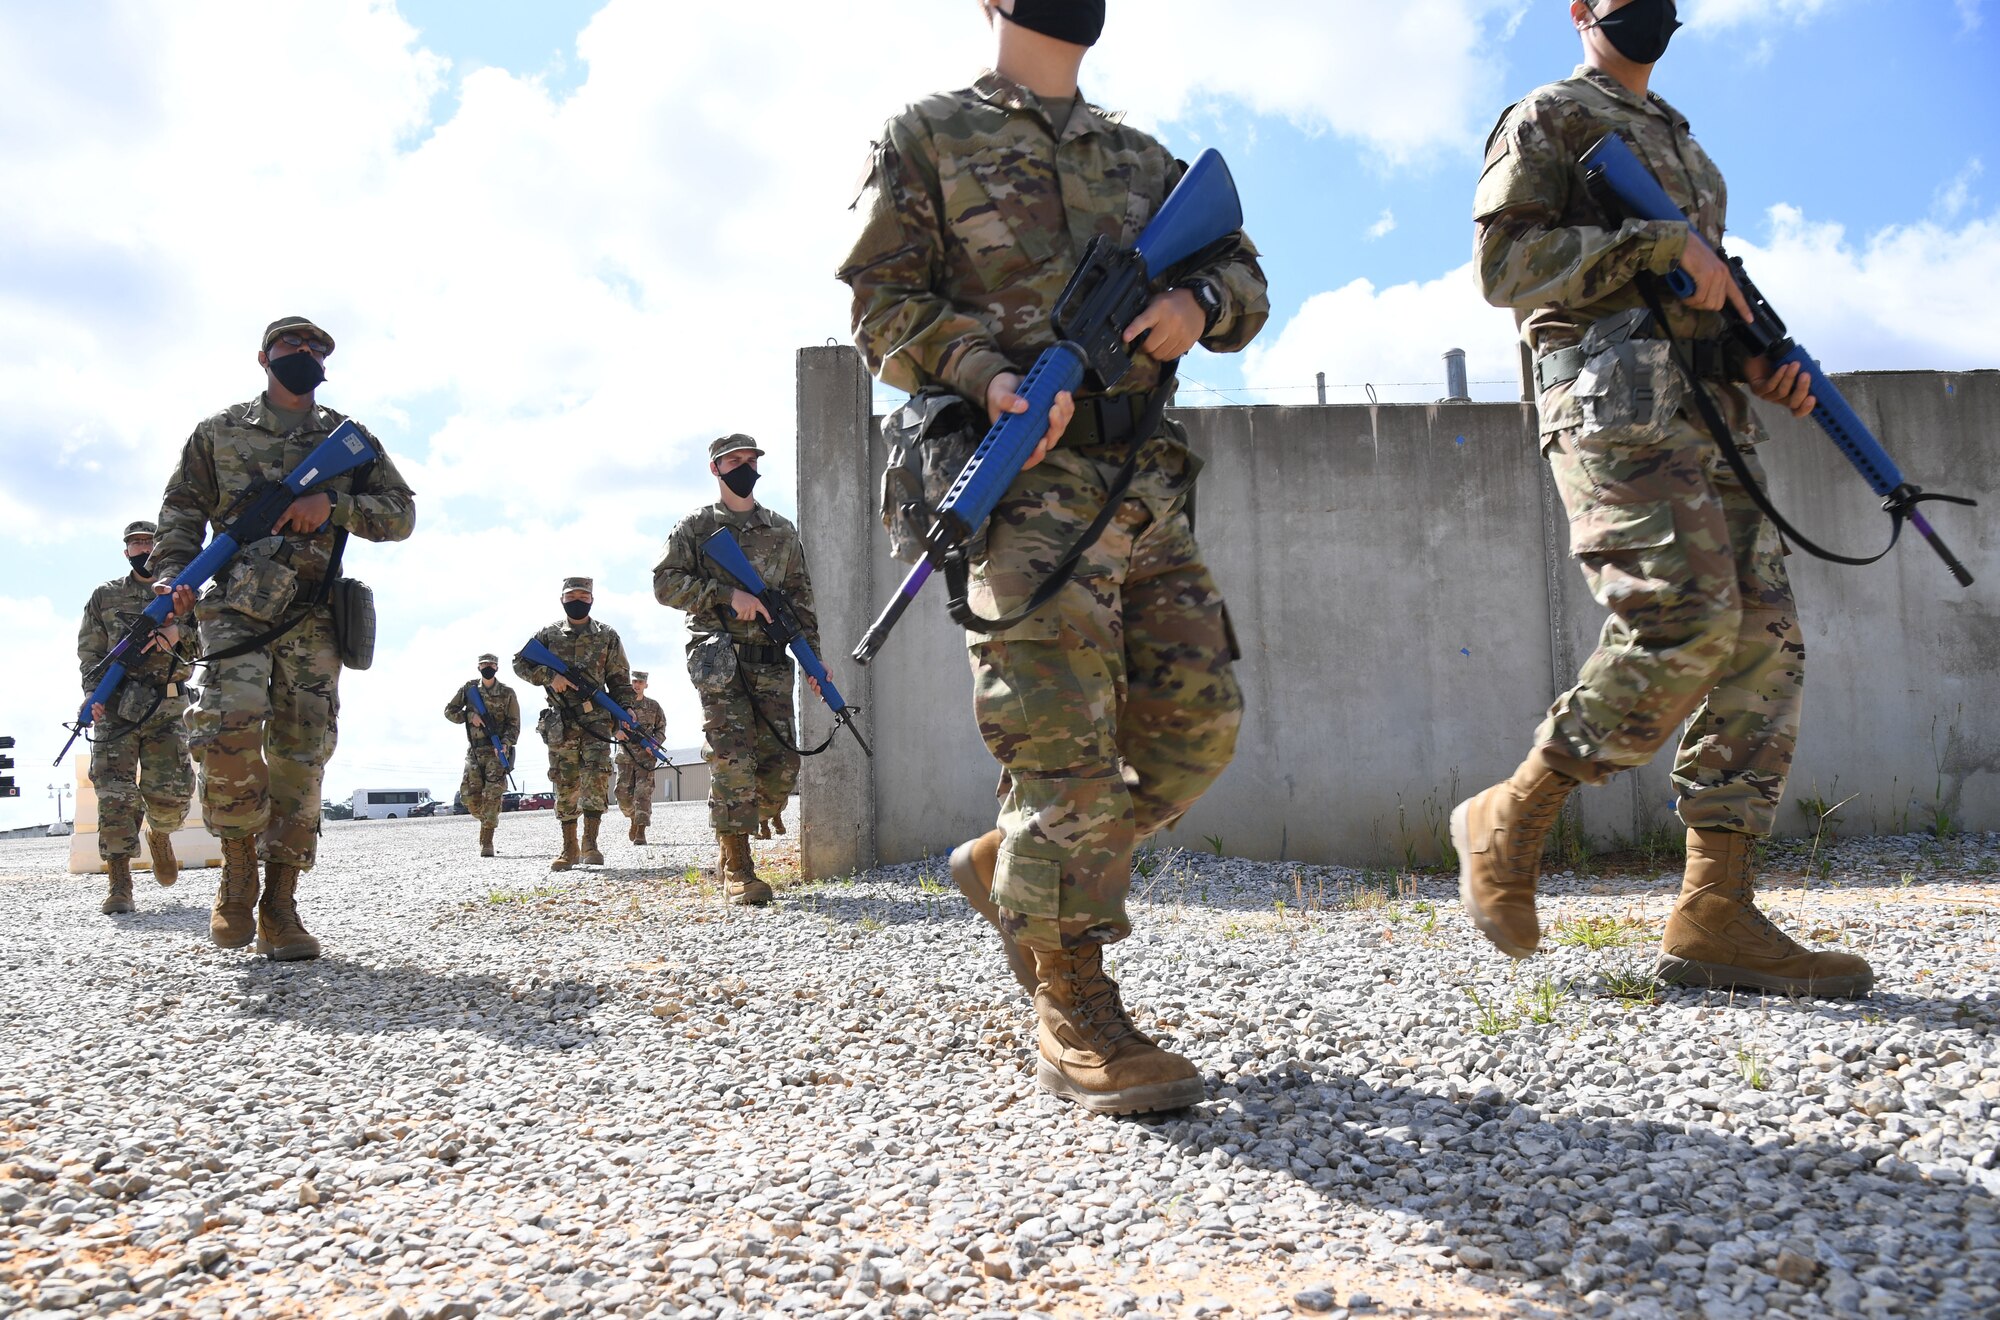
[{"x": 1399, "y": 581}]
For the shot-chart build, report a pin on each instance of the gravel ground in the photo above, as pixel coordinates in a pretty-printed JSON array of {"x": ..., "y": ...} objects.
[{"x": 506, "y": 1092}]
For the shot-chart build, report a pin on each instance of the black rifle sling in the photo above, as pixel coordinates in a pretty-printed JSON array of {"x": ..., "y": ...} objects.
[
  {"x": 1711, "y": 417},
  {"x": 320, "y": 597},
  {"x": 743, "y": 680},
  {"x": 957, "y": 573}
]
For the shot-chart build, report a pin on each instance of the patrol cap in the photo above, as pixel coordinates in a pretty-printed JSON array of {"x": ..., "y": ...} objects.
[
  {"x": 139, "y": 528},
  {"x": 489, "y": 658},
  {"x": 639, "y": 676},
  {"x": 729, "y": 444},
  {"x": 579, "y": 584},
  {"x": 297, "y": 325}
]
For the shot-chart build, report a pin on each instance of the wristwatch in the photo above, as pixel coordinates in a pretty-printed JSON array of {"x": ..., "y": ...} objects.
[{"x": 1209, "y": 300}]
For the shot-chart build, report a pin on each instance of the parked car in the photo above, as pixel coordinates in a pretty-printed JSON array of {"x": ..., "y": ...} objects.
[
  {"x": 511, "y": 801},
  {"x": 538, "y": 802},
  {"x": 431, "y": 808}
]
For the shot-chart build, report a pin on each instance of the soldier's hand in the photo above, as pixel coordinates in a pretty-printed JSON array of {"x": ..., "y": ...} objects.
[
  {"x": 813, "y": 683},
  {"x": 1172, "y": 323},
  {"x": 96, "y": 712},
  {"x": 619, "y": 733},
  {"x": 306, "y": 514},
  {"x": 1714, "y": 282},
  {"x": 477, "y": 723},
  {"x": 1788, "y": 387},
  {"x": 163, "y": 639},
  {"x": 183, "y": 596},
  {"x": 561, "y": 684},
  {"x": 747, "y": 606},
  {"x": 1001, "y": 400}
]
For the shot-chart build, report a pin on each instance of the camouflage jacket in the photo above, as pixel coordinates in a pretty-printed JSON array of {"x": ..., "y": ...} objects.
[
  {"x": 1543, "y": 248},
  {"x": 684, "y": 579},
  {"x": 594, "y": 655},
  {"x": 974, "y": 213},
  {"x": 110, "y": 611},
  {"x": 236, "y": 447},
  {"x": 503, "y": 713},
  {"x": 652, "y": 722}
]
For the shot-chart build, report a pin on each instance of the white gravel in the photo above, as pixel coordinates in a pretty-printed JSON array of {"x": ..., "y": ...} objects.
[{"x": 506, "y": 1092}]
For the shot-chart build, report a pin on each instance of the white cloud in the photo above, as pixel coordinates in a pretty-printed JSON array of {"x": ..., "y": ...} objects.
[
  {"x": 1718, "y": 15},
  {"x": 1968, "y": 15},
  {"x": 1953, "y": 198},
  {"x": 1384, "y": 225}
]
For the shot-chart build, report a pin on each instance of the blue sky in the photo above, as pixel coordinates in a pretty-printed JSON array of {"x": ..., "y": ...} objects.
[{"x": 563, "y": 243}]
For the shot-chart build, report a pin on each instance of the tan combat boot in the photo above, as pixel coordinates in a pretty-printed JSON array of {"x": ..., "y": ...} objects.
[
  {"x": 763, "y": 829},
  {"x": 777, "y": 822},
  {"x": 485, "y": 840},
  {"x": 119, "y": 899},
  {"x": 740, "y": 884},
  {"x": 591, "y": 855},
  {"x": 280, "y": 934},
  {"x": 1718, "y": 937},
  {"x": 1499, "y": 835},
  {"x": 232, "y": 922},
  {"x": 1090, "y": 1051},
  {"x": 166, "y": 867},
  {"x": 972, "y": 865},
  {"x": 634, "y": 832},
  {"x": 570, "y": 854}
]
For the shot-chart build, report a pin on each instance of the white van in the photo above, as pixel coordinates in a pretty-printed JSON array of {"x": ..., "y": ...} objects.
[{"x": 387, "y": 803}]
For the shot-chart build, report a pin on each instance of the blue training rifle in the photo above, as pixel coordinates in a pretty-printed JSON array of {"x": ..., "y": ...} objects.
[
  {"x": 486, "y": 723},
  {"x": 252, "y": 517},
  {"x": 1616, "y": 175},
  {"x": 782, "y": 627},
  {"x": 537, "y": 654},
  {"x": 1110, "y": 287}
]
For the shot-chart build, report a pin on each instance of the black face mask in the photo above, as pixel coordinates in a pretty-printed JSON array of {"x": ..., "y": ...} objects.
[
  {"x": 1641, "y": 30},
  {"x": 577, "y": 609},
  {"x": 138, "y": 563},
  {"x": 300, "y": 373},
  {"x": 485, "y": 672},
  {"x": 1079, "y": 22},
  {"x": 740, "y": 480}
]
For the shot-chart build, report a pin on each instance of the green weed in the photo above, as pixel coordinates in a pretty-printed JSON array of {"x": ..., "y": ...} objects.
[
  {"x": 1489, "y": 1020},
  {"x": 1595, "y": 932}
]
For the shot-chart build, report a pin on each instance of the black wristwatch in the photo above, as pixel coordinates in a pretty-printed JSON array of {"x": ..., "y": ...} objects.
[{"x": 1210, "y": 302}]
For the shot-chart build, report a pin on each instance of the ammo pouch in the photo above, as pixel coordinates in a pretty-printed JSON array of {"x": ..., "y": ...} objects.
[
  {"x": 712, "y": 664},
  {"x": 1627, "y": 383},
  {"x": 259, "y": 588},
  {"x": 550, "y": 725},
  {"x": 929, "y": 439},
  {"x": 353, "y": 607}
]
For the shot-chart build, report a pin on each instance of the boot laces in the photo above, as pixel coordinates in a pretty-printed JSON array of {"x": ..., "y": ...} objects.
[
  {"x": 1745, "y": 893},
  {"x": 1099, "y": 1008},
  {"x": 282, "y": 906},
  {"x": 239, "y": 876}
]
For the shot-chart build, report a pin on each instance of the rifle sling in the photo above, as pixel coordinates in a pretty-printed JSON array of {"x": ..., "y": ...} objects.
[
  {"x": 957, "y": 572},
  {"x": 743, "y": 680}
]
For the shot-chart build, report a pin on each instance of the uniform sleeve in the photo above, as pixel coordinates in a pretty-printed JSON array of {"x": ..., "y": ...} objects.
[
  {"x": 1233, "y": 271},
  {"x": 618, "y": 678},
  {"x": 682, "y": 582},
  {"x": 539, "y": 675},
  {"x": 93, "y": 642},
  {"x": 183, "y": 521},
  {"x": 910, "y": 334},
  {"x": 381, "y": 507},
  {"x": 655, "y": 720},
  {"x": 458, "y": 709},
  {"x": 507, "y": 711},
  {"x": 1526, "y": 259},
  {"x": 799, "y": 587}
]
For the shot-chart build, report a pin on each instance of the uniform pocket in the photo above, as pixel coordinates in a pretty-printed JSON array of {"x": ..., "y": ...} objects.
[
  {"x": 1607, "y": 529},
  {"x": 259, "y": 588},
  {"x": 1028, "y": 884}
]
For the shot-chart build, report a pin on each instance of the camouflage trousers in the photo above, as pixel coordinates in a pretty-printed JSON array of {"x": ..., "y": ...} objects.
[
  {"x": 483, "y": 784},
  {"x": 751, "y": 775},
  {"x": 1111, "y": 710},
  {"x": 635, "y": 789},
  {"x": 580, "y": 767},
  {"x": 144, "y": 773},
  {"x": 264, "y": 731},
  {"x": 1702, "y": 623}
]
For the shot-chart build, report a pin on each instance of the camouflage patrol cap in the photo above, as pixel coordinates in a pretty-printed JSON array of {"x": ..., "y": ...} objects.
[
  {"x": 139, "y": 528},
  {"x": 294, "y": 325},
  {"x": 639, "y": 676},
  {"x": 489, "y": 658},
  {"x": 729, "y": 444},
  {"x": 579, "y": 584}
]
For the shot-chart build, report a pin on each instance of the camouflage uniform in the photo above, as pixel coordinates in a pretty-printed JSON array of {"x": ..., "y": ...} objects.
[
  {"x": 137, "y": 768},
  {"x": 1114, "y": 707},
  {"x": 751, "y": 773},
  {"x": 265, "y": 726},
  {"x": 485, "y": 779},
  {"x": 579, "y": 735},
  {"x": 1702, "y": 617},
  {"x": 637, "y": 766}
]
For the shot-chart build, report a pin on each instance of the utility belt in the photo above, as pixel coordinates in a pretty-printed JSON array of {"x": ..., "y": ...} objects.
[
  {"x": 1103, "y": 421},
  {"x": 761, "y": 653},
  {"x": 1561, "y": 366}
]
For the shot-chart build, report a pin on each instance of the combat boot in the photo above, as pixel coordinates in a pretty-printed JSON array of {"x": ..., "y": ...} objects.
[
  {"x": 763, "y": 829},
  {"x": 740, "y": 884},
  {"x": 120, "y": 898},
  {"x": 1717, "y": 936},
  {"x": 570, "y": 854},
  {"x": 634, "y": 831},
  {"x": 232, "y": 922},
  {"x": 280, "y": 934},
  {"x": 777, "y": 823},
  {"x": 1499, "y": 835},
  {"x": 1090, "y": 1051},
  {"x": 166, "y": 867},
  {"x": 972, "y": 865},
  {"x": 485, "y": 840},
  {"x": 591, "y": 856}
]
